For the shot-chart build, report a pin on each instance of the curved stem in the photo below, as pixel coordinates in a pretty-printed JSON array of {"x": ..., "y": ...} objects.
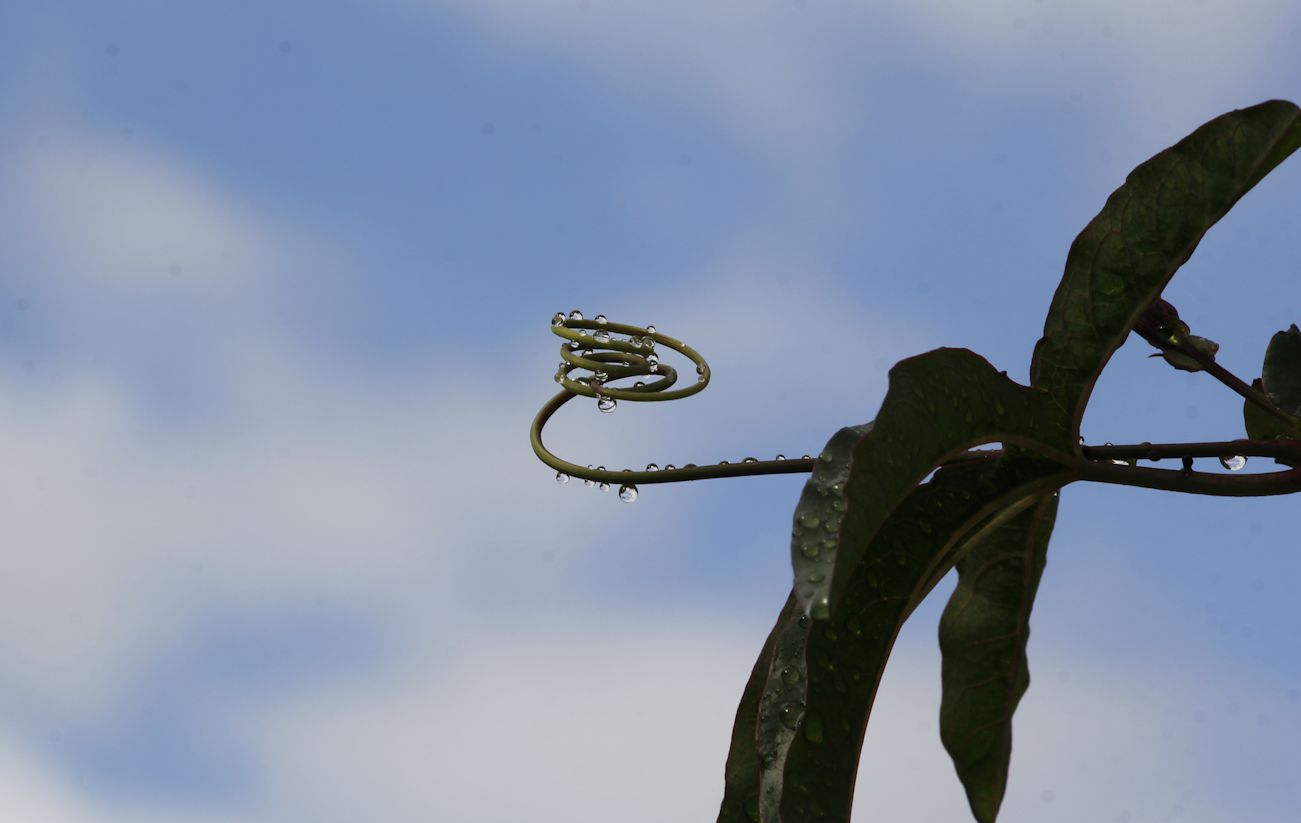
[
  {"x": 681, "y": 474},
  {"x": 1289, "y": 450},
  {"x": 1190, "y": 482}
]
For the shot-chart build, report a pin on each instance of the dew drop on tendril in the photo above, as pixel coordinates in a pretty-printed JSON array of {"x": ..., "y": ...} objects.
[
  {"x": 780, "y": 457},
  {"x": 600, "y": 319},
  {"x": 575, "y": 315},
  {"x": 668, "y": 467},
  {"x": 651, "y": 467},
  {"x": 602, "y": 336},
  {"x": 562, "y": 478},
  {"x": 749, "y": 460},
  {"x": 605, "y": 487},
  {"x": 650, "y": 329},
  {"x": 628, "y": 493},
  {"x": 589, "y": 482},
  {"x": 606, "y": 404},
  {"x": 559, "y": 319},
  {"x": 1233, "y": 462},
  {"x": 638, "y": 385}
]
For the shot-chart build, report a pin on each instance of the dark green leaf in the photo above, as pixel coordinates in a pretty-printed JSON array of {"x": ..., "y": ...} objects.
[
  {"x": 824, "y": 674},
  {"x": 1149, "y": 226},
  {"x": 1281, "y": 383},
  {"x": 938, "y": 404},
  {"x": 1281, "y": 374},
  {"x": 741, "y": 775},
  {"x": 983, "y": 635}
]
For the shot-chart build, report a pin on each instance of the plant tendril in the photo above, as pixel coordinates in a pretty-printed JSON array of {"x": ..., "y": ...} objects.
[{"x": 591, "y": 346}]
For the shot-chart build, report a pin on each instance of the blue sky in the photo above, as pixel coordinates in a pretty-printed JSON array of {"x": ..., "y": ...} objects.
[{"x": 274, "y": 304}]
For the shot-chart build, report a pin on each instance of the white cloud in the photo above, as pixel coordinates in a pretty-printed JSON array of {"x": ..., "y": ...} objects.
[
  {"x": 630, "y": 718},
  {"x": 33, "y": 793},
  {"x": 784, "y": 74}
]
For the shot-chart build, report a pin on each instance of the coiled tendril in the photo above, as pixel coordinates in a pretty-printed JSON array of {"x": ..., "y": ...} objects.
[{"x": 591, "y": 346}]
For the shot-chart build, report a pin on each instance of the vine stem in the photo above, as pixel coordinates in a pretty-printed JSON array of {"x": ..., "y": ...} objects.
[
  {"x": 1161, "y": 327},
  {"x": 1098, "y": 467}
]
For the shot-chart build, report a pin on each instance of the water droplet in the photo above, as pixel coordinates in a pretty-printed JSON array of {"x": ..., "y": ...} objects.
[
  {"x": 600, "y": 319},
  {"x": 809, "y": 521},
  {"x": 780, "y": 457},
  {"x": 600, "y": 376},
  {"x": 575, "y": 315},
  {"x": 605, "y": 487},
  {"x": 805, "y": 457},
  {"x": 651, "y": 467},
  {"x": 724, "y": 463},
  {"x": 668, "y": 467},
  {"x": 790, "y": 715},
  {"x": 1233, "y": 462},
  {"x": 816, "y": 577},
  {"x": 628, "y": 493},
  {"x": 559, "y": 319},
  {"x": 574, "y": 345},
  {"x": 813, "y": 729},
  {"x": 639, "y": 384},
  {"x": 749, "y": 460},
  {"x": 653, "y": 361},
  {"x": 650, "y": 329},
  {"x": 821, "y": 609},
  {"x": 606, "y": 404},
  {"x": 809, "y": 550},
  {"x": 602, "y": 336},
  {"x": 826, "y": 457},
  {"x": 689, "y": 466},
  {"x": 790, "y": 675},
  {"x": 700, "y": 370}
]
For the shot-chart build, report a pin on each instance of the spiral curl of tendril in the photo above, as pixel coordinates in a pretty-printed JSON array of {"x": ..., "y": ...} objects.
[{"x": 626, "y": 359}]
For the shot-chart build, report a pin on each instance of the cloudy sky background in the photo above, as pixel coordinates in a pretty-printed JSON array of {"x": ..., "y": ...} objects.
[{"x": 275, "y": 288}]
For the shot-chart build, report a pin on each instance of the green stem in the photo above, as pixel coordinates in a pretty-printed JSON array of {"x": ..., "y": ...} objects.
[
  {"x": 1189, "y": 482},
  {"x": 1160, "y": 326},
  {"x": 1286, "y": 449}
]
